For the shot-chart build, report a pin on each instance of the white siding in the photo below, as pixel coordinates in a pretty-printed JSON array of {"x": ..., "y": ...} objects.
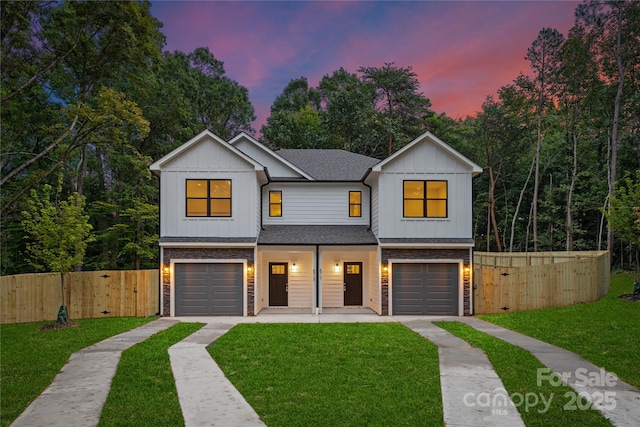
[
  {"x": 208, "y": 160},
  {"x": 375, "y": 208},
  {"x": 333, "y": 281},
  {"x": 300, "y": 282},
  {"x": 315, "y": 203},
  {"x": 425, "y": 162},
  {"x": 276, "y": 167},
  {"x": 374, "y": 282}
]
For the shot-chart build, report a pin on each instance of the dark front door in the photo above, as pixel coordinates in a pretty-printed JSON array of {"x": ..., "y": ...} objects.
[
  {"x": 352, "y": 283},
  {"x": 278, "y": 285}
]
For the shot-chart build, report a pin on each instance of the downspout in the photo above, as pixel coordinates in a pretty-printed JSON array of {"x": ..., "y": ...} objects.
[
  {"x": 370, "y": 198},
  {"x": 161, "y": 250},
  {"x": 262, "y": 203},
  {"x": 317, "y": 279}
]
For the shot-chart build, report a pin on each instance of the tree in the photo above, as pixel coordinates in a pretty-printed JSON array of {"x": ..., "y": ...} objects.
[
  {"x": 403, "y": 108},
  {"x": 544, "y": 58},
  {"x": 295, "y": 118},
  {"x": 58, "y": 233},
  {"x": 616, "y": 25},
  {"x": 348, "y": 111},
  {"x": 623, "y": 213}
]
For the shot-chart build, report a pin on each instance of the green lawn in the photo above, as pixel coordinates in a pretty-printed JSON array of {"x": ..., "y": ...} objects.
[
  {"x": 377, "y": 374},
  {"x": 539, "y": 405},
  {"x": 31, "y": 358},
  {"x": 605, "y": 332},
  {"x": 143, "y": 391}
]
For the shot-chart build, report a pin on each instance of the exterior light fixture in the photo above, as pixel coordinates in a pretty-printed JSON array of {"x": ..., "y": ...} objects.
[
  {"x": 467, "y": 270},
  {"x": 294, "y": 267},
  {"x": 385, "y": 268},
  {"x": 336, "y": 268},
  {"x": 166, "y": 270},
  {"x": 249, "y": 269}
]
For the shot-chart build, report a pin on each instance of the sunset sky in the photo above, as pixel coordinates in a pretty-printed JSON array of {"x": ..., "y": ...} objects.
[{"x": 461, "y": 51}]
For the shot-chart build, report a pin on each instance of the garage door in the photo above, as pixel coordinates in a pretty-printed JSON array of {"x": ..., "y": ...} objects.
[
  {"x": 208, "y": 289},
  {"x": 425, "y": 289}
]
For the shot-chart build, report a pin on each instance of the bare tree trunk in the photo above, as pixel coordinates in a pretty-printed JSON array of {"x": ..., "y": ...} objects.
[
  {"x": 616, "y": 119},
  {"x": 515, "y": 214},
  {"x": 572, "y": 185},
  {"x": 492, "y": 209}
]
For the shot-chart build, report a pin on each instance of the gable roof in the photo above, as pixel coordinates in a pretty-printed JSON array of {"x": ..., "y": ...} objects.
[
  {"x": 329, "y": 164},
  {"x": 198, "y": 139},
  {"x": 269, "y": 152},
  {"x": 428, "y": 136}
]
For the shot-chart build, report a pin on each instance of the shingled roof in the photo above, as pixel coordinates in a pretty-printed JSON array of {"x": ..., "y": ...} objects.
[
  {"x": 316, "y": 235},
  {"x": 329, "y": 165}
]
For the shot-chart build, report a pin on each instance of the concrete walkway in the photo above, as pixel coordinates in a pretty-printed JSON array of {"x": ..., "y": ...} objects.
[
  {"x": 472, "y": 393},
  {"x": 622, "y": 408},
  {"x": 206, "y": 396},
  {"x": 77, "y": 394}
]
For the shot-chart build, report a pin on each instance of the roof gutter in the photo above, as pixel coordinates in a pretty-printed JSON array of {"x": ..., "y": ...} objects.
[{"x": 370, "y": 197}]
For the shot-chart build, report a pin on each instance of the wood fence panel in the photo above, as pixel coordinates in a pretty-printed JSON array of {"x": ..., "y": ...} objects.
[
  {"x": 523, "y": 281},
  {"x": 88, "y": 294}
]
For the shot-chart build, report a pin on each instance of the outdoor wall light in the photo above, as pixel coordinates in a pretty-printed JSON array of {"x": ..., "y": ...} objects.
[
  {"x": 336, "y": 268},
  {"x": 294, "y": 267},
  {"x": 385, "y": 268},
  {"x": 249, "y": 269},
  {"x": 467, "y": 270},
  {"x": 166, "y": 270}
]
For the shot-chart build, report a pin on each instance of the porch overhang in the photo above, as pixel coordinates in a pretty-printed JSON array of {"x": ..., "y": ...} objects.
[{"x": 334, "y": 235}]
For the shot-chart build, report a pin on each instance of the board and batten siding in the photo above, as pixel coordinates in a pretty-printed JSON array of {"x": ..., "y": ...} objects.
[
  {"x": 209, "y": 161},
  {"x": 426, "y": 162},
  {"x": 316, "y": 203}
]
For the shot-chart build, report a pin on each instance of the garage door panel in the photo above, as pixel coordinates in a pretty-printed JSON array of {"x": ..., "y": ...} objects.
[
  {"x": 209, "y": 289},
  {"x": 425, "y": 289}
]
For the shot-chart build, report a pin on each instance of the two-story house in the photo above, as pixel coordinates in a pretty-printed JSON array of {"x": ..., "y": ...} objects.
[{"x": 243, "y": 228}]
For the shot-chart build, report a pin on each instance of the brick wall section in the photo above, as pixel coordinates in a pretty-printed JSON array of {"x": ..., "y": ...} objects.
[
  {"x": 427, "y": 254},
  {"x": 208, "y": 253},
  {"x": 384, "y": 300}
]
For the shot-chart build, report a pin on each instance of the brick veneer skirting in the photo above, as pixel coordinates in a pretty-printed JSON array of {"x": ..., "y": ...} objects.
[
  {"x": 207, "y": 253},
  {"x": 427, "y": 254}
]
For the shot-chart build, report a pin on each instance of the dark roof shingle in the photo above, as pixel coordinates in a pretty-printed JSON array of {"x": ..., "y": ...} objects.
[
  {"x": 331, "y": 164},
  {"x": 316, "y": 235}
]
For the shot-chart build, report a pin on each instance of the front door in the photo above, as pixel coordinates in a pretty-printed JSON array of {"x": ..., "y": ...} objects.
[
  {"x": 278, "y": 285},
  {"x": 352, "y": 283}
]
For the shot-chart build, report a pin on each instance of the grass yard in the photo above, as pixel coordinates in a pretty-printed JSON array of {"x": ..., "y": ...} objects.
[
  {"x": 604, "y": 332},
  {"x": 518, "y": 370},
  {"x": 143, "y": 391},
  {"x": 333, "y": 374},
  {"x": 32, "y": 358}
]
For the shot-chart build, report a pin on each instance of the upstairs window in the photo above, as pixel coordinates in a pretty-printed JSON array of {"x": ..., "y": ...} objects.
[
  {"x": 355, "y": 203},
  {"x": 209, "y": 197},
  {"x": 275, "y": 203},
  {"x": 425, "y": 199}
]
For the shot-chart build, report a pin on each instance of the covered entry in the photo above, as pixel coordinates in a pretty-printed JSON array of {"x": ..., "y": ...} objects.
[
  {"x": 208, "y": 289},
  {"x": 425, "y": 289}
]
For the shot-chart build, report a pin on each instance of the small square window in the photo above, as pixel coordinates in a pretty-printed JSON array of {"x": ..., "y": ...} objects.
[
  {"x": 425, "y": 199},
  {"x": 208, "y": 197}
]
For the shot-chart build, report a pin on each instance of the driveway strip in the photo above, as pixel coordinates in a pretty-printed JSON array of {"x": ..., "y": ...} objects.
[
  {"x": 206, "y": 396},
  {"x": 617, "y": 400},
  {"x": 472, "y": 393},
  {"x": 77, "y": 394}
]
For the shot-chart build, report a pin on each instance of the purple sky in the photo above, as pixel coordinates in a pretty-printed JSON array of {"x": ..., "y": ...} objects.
[{"x": 461, "y": 51}]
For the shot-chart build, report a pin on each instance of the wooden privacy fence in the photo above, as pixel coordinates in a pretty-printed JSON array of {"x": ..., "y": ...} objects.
[
  {"x": 37, "y": 297},
  {"x": 506, "y": 282}
]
